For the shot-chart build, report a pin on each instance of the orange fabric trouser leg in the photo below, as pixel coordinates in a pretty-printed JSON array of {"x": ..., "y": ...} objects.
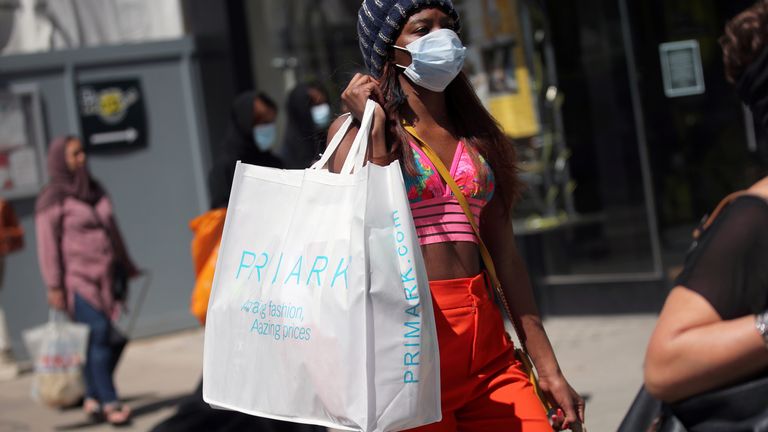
[{"x": 483, "y": 386}]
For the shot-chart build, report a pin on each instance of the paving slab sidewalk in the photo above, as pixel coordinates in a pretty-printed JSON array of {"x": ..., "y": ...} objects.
[{"x": 601, "y": 356}]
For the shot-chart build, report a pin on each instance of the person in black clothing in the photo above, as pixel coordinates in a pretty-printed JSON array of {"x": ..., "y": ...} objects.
[
  {"x": 250, "y": 136},
  {"x": 309, "y": 115},
  {"x": 713, "y": 330}
]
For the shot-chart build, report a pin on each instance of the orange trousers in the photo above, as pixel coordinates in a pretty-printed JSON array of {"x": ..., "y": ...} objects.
[{"x": 483, "y": 387}]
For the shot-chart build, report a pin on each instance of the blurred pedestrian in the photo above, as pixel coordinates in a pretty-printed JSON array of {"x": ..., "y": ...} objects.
[
  {"x": 309, "y": 115},
  {"x": 713, "y": 329},
  {"x": 81, "y": 254},
  {"x": 428, "y": 117},
  {"x": 249, "y": 138}
]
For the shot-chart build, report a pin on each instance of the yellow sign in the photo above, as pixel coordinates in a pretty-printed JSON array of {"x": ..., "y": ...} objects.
[
  {"x": 515, "y": 110},
  {"x": 510, "y": 98}
]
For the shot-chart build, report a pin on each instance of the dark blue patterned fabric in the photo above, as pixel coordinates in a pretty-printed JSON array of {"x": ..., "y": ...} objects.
[{"x": 379, "y": 23}]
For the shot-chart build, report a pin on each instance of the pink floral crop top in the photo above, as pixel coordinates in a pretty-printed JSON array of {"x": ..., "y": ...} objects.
[{"x": 436, "y": 212}]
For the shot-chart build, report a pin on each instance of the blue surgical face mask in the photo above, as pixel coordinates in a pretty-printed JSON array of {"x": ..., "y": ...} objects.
[
  {"x": 436, "y": 59},
  {"x": 264, "y": 135},
  {"x": 321, "y": 115}
]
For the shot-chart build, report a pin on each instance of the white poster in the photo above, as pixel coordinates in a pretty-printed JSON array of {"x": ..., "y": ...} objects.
[
  {"x": 681, "y": 68},
  {"x": 22, "y": 141},
  {"x": 12, "y": 127},
  {"x": 22, "y": 164}
]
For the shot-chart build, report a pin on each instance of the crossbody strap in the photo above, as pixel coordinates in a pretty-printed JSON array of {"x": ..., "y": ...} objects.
[
  {"x": 484, "y": 253},
  {"x": 710, "y": 218}
]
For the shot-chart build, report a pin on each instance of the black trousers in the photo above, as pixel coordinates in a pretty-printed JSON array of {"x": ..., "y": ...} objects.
[{"x": 196, "y": 415}]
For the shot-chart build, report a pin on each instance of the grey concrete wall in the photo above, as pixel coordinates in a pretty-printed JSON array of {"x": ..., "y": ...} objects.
[{"x": 156, "y": 190}]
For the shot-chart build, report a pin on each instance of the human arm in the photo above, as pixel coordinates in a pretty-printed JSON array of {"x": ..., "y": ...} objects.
[
  {"x": 48, "y": 228},
  {"x": 358, "y": 91},
  {"x": 497, "y": 232},
  {"x": 693, "y": 350},
  {"x": 705, "y": 336},
  {"x": 105, "y": 211}
]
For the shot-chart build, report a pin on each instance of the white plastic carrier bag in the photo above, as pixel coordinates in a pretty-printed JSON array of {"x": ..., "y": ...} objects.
[
  {"x": 320, "y": 310},
  {"x": 58, "y": 349}
]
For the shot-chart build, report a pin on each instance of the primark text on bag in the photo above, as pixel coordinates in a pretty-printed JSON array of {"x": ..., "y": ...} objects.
[{"x": 320, "y": 310}]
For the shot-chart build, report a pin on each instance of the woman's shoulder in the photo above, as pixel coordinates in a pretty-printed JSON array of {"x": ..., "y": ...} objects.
[
  {"x": 336, "y": 125},
  {"x": 751, "y": 206},
  {"x": 724, "y": 265},
  {"x": 745, "y": 218},
  {"x": 79, "y": 209},
  {"x": 52, "y": 211},
  {"x": 104, "y": 203},
  {"x": 743, "y": 211},
  {"x": 741, "y": 226},
  {"x": 760, "y": 189},
  {"x": 345, "y": 143}
]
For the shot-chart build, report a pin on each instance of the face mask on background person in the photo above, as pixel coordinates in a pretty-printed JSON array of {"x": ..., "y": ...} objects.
[
  {"x": 321, "y": 115},
  {"x": 436, "y": 59},
  {"x": 264, "y": 135}
]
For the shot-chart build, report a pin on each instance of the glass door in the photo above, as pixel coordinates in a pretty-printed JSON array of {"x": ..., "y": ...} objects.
[
  {"x": 702, "y": 145},
  {"x": 597, "y": 222}
]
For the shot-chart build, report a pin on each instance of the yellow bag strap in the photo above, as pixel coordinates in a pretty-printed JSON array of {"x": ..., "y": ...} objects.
[
  {"x": 484, "y": 253},
  {"x": 486, "y": 256}
]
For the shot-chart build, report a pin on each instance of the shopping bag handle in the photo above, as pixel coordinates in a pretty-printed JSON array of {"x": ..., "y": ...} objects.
[
  {"x": 334, "y": 144},
  {"x": 55, "y": 319},
  {"x": 364, "y": 134},
  {"x": 54, "y": 315},
  {"x": 134, "y": 314},
  {"x": 356, "y": 157},
  {"x": 357, "y": 152}
]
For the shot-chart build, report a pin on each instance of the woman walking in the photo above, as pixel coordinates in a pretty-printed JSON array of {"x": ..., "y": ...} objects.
[
  {"x": 80, "y": 253},
  {"x": 414, "y": 58}
]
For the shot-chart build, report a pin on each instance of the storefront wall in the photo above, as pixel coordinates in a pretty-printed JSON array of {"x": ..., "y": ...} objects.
[
  {"x": 651, "y": 154},
  {"x": 604, "y": 128},
  {"x": 559, "y": 81},
  {"x": 579, "y": 87},
  {"x": 701, "y": 143},
  {"x": 156, "y": 188}
]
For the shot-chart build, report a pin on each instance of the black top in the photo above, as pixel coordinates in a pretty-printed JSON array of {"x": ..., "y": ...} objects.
[
  {"x": 728, "y": 265},
  {"x": 303, "y": 139},
  {"x": 237, "y": 146}
]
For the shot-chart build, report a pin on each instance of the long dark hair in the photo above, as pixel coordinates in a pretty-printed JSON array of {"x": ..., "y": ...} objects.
[{"x": 474, "y": 125}]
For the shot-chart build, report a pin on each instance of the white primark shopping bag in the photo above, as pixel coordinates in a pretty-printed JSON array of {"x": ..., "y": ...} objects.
[
  {"x": 406, "y": 362},
  {"x": 320, "y": 309}
]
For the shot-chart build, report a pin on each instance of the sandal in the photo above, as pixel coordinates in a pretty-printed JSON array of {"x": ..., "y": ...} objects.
[
  {"x": 117, "y": 414},
  {"x": 92, "y": 409}
]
